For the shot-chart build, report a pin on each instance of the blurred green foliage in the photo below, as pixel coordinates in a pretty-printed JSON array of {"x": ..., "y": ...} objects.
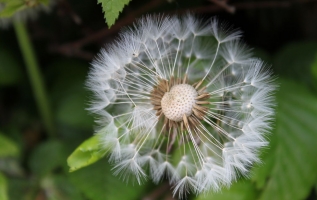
[{"x": 33, "y": 166}]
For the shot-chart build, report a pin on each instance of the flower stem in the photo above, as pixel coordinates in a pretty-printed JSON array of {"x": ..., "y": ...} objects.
[{"x": 35, "y": 77}]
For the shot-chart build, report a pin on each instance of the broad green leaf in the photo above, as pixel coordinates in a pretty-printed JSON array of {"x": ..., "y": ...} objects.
[
  {"x": 112, "y": 9},
  {"x": 3, "y": 187},
  {"x": 7, "y": 147},
  {"x": 46, "y": 157},
  {"x": 10, "y": 69},
  {"x": 260, "y": 171},
  {"x": 241, "y": 190},
  {"x": 11, "y": 8},
  {"x": 85, "y": 154},
  {"x": 293, "y": 172},
  {"x": 97, "y": 183}
]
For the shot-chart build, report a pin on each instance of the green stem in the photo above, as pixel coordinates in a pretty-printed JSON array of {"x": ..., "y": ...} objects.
[{"x": 34, "y": 76}]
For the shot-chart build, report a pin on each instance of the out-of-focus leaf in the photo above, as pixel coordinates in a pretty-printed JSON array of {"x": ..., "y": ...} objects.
[
  {"x": 10, "y": 72},
  {"x": 11, "y": 7},
  {"x": 69, "y": 95},
  {"x": 293, "y": 172},
  {"x": 260, "y": 171},
  {"x": 45, "y": 2},
  {"x": 85, "y": 154},
  {"x": 72, "y": 111},
  {"x": 59, "y": 187},
  {"x": 11, "y": 166},
  {"x": 112, "y": 9},
  {"x": 20, "y": 188},
  {"x": 97, "y": 183},
  {"x": 241, "y": 190},
  {"x": 46, "y": 157},
  {"x": 294, "y": 61},
  {"x": 314, "y": 71},
  {"x": 7, "y": 147},
  {"x": 3, "y": 187}
]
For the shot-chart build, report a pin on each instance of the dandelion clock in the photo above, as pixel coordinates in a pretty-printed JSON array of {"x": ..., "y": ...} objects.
[{"x": 181, "y": 99}]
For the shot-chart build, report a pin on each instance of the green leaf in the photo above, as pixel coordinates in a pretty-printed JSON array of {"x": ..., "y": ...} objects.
[
  {"x": 314, "y": 71},
  {"x": 259, "y": 172},
  {"x": 47, "y": 157},
  {"x": 3, "y": 187},
  {"x": 241, "y": 190},
  {"x": 8, "y": 147},
  {"x": 85, "y": 154},
  {"x": 11, "y": 8},
  {"x": 112, "y": 9},
  {"x": 292, "y": 172},
  {"x": 45, "y": 2},
  {"x": 97, "y": 183},
  {"x": 10, "y": 69}
]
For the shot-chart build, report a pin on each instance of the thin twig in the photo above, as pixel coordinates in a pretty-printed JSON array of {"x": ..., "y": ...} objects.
[
  {"x": 223, "y": 4},
  {"x": 74, "y": 48},
  {"x": 35, "y": 77}
]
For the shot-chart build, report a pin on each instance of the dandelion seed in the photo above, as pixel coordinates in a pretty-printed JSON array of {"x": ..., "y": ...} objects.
[{"x": 187, "y": 103}]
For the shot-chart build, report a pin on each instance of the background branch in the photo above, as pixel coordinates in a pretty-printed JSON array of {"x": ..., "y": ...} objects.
[{"x": 75, "y": 48}]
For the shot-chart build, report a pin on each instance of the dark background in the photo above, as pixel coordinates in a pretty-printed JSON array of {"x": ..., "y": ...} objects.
[{"x": 282, "y": 33}]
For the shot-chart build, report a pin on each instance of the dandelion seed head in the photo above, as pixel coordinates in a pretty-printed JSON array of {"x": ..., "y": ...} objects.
[{"x": 181, "y": 99}]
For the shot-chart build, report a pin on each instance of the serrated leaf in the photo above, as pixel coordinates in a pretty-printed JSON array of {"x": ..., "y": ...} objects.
[
  {"x": 8, "y": 147},
  {"x": 97, "y": 183},
  {"x": 112, "y": 9},
  {"x": 3, "y": 187},
  {"x": 46, "y": 157},
  {"x": 241, "y": 190},
  {"x": 85, "y": 154},
  {"x": 11, "y": 8},
  {"x": 293, "y": 173}
]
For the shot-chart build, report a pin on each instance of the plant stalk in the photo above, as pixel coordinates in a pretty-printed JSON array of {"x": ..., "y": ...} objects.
[{"x": 35, "y": 77}]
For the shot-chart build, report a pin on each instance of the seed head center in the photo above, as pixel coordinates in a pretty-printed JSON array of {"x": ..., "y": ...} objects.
[{"x": 179, "y": 101}]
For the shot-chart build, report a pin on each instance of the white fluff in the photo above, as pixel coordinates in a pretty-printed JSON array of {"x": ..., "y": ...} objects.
[{"x": 227, "y": 140}]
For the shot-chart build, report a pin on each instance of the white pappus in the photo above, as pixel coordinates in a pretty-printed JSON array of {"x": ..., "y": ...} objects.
[{"x": 182, "y": 99}]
